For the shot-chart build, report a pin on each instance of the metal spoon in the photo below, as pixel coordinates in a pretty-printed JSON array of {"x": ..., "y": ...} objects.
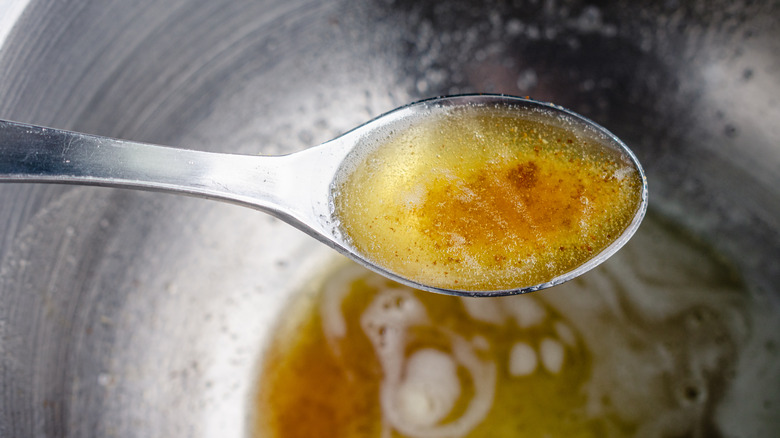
[{"x": 296, "y": 188}]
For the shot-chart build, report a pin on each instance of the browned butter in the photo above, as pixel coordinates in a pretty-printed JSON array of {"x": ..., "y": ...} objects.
[
  {"x": 648, "y": 344},
  {"x": 482, "y": 198}
]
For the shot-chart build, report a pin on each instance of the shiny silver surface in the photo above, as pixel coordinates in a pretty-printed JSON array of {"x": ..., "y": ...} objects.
[
  {"x": 127, "y": 313},
  {"x": 294, "y": 187}
]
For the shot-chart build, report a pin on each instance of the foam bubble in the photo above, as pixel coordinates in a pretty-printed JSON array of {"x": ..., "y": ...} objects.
[
  {"x": 522, "y": 360},
  {"x": 552, "y": 354},
  {"x": 430, "y": 387}
]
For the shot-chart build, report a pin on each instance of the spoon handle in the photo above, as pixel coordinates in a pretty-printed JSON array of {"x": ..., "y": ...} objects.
[{"x": 36, "y": 154}]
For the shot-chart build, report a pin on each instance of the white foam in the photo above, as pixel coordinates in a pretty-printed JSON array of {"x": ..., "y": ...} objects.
[
  {"x": 525, "y": 309},
  {"x": 483, "y": 310},
  {"x": 623, "y": 173},
  {"x": 416, "y": 393},
  {"x": 552, "y": 353},
  {"x": 522, "y": 360},
  {"x": 430, "y": 387},
  {"x": 565, "y": 333}
]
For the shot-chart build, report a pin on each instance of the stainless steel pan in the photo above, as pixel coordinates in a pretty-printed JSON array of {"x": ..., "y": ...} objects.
[{"x": 142, "y": 314}]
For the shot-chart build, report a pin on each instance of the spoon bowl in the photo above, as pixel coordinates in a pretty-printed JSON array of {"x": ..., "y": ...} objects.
[{"x": 298, "y": 188}]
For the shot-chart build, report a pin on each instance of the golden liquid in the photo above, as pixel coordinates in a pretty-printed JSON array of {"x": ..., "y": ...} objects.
[
  {"x": 650, "y": 345},
  {"x": 483, "y": 199},
  {"x": 318, "y": 388}
]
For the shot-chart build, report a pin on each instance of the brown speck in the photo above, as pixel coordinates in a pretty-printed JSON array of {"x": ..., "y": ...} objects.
[{"x": 524, "y": 176}]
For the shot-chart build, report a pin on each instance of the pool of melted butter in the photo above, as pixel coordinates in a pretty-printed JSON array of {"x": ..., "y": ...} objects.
[{"x": 655, "y": 342}]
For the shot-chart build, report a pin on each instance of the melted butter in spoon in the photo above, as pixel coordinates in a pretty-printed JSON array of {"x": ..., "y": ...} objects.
[
  {"x": 463, "y": 195},
  {"x": 486, "y": 198}
]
